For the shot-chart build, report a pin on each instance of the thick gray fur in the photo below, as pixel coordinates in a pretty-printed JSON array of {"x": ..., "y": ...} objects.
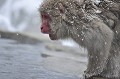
[{"x": 92, "y": 27}]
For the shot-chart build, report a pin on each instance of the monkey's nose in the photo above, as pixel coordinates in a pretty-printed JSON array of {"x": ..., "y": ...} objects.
[
  {"x": 45, "y": 30},
  {"x": 41, "y": 28}
]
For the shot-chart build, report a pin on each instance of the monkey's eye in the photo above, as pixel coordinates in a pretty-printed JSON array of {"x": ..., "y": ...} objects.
[{"x": 45, "y": 16}]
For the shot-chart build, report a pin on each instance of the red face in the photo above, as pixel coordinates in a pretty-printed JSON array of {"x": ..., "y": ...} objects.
[{"x": 45, "y": 27}]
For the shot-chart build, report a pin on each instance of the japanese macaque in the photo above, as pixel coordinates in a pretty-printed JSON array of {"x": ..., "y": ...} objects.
[{"x": 89, "y": 26}]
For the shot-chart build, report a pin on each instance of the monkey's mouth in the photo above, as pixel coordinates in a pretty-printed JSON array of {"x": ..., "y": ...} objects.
[{"x": 53, "y": 37}]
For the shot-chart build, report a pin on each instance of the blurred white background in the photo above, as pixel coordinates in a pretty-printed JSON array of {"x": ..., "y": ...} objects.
[{"x": 20, "y": 16}]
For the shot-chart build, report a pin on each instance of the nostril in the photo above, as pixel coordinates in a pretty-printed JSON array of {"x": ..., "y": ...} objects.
[{"x": 41, "y": 28}]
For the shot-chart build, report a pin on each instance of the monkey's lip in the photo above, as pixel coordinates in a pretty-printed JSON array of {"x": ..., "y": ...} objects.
[{"x": 53, "y": 37}]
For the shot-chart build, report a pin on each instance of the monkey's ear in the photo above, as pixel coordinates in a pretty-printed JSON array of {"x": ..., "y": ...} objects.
[{"x": 61, "y": 7}]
